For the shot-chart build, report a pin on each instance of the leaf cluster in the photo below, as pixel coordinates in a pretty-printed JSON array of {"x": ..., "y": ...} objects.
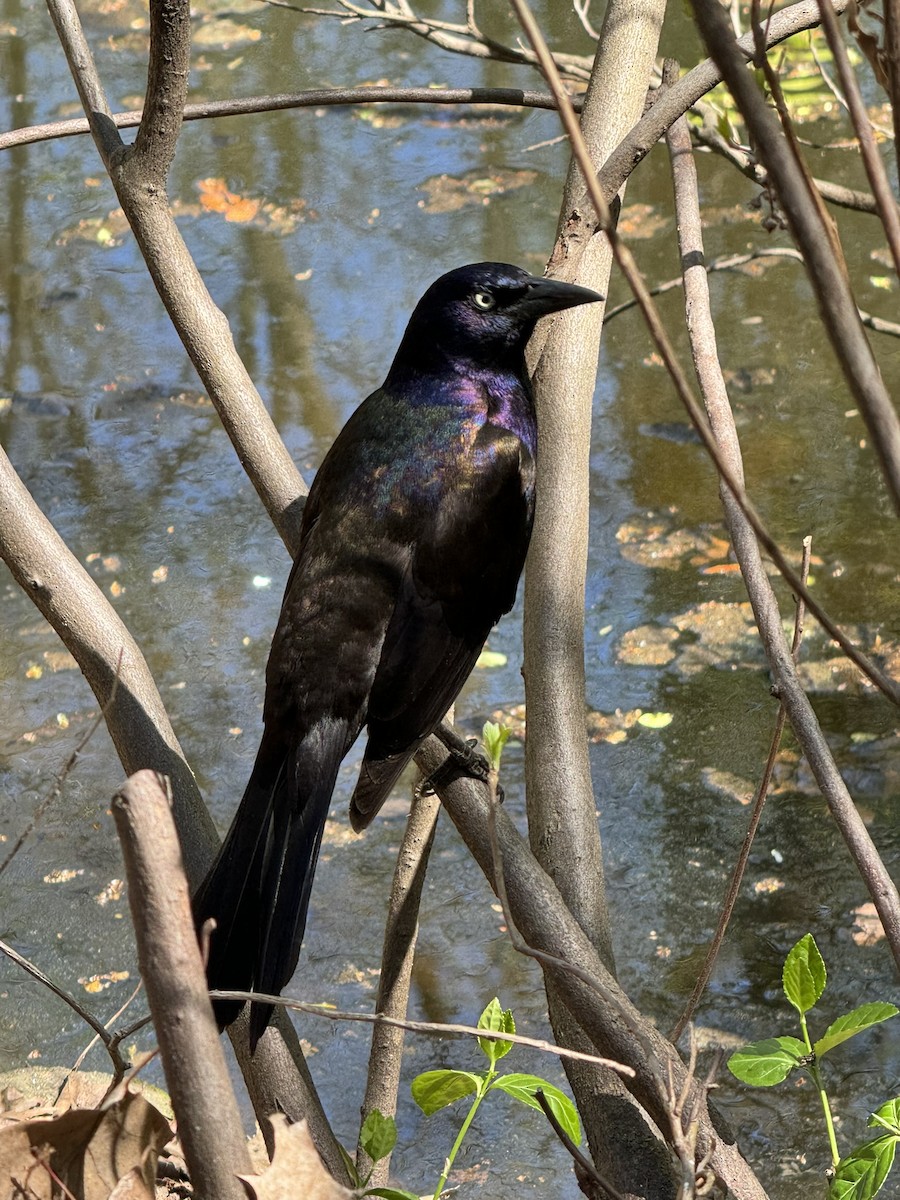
[{"x": 860, "y": 1174}]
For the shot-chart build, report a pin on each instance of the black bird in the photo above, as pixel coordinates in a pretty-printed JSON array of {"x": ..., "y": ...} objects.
[{"x": 413, "y": 538}]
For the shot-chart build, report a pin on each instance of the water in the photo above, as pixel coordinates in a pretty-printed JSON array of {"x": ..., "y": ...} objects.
[{"x": 108, "y": 428}]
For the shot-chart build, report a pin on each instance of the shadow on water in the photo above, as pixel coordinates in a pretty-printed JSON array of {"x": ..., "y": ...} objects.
[{"x": 101, "y": 415}]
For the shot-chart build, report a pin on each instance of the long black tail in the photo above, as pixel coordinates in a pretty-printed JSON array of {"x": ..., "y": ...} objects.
[{"x": 258, "y": 888}]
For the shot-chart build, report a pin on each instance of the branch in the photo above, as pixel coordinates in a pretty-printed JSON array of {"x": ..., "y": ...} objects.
[
  {"x": 90, "y": 628},
  {"x": 682, "y": 96},
  {"x": 465, "y": 39},
  {"x": 765, "y": 605},
  {"x": 816, "y": 239},
  {"x": 397, "y": 958},
  {"x": 707, "y": 134},
  {"x": 138, "y": 174},
  {"x": 431, "y": 1028},
  {"x": 627, "y": 265},
  {"x": 209, "y": 1124},
  {"x": 600, "y": 1007},
  {"x": 100, "y": 1030},
  {"x": 317, "y": 98},
  {"x": 874, "y": 164},
  {"x": 562, "y": 822}
]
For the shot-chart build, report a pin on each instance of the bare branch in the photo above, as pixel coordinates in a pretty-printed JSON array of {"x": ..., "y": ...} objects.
[
  {"x": 627, "y": 265},
  {"x": 317, "y": 98},
  {"x": 875, "y": 168},
  {"x": 546, "y": 926},
  {"x": 816, "y": 240},
  {"x": 780, "y": 656},
  {"x": 209, "y": 1124},
  {"x": 397, "y": 957},
  {"x": 61, "y": 778},
  {"x": 430, "y": 1028},
  {"x": 692, "y": 87},
  {"x": 138, "y": 174},
  {"x": 464, "y": 39}
]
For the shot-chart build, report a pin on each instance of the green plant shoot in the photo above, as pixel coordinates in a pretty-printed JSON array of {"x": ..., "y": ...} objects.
[
  {"x": 434, "y": 1090},
  {"x": 494, "y": 737},
  {"x": 860, "y": 1174}
]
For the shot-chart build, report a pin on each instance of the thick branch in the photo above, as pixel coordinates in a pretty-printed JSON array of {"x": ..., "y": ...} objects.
[
  {"x": 562, "y": 811},
  {"x": 209, "y": 1124}
]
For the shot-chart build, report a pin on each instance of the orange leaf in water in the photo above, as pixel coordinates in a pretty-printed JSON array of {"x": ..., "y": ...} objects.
[{"x": 216, "y": 197}]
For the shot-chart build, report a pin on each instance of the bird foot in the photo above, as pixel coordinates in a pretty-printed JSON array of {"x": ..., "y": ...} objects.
[{"x": 462, "y": 759}]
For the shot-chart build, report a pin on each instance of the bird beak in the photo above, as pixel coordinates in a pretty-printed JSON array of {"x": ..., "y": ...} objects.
[{"x": 551, "y": 295}]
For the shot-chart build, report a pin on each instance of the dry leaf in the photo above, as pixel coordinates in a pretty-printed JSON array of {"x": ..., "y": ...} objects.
[
  {"x": 89, "y": 1150},
  {"x": 295, "y": 1170},
  {"x": 215, "y": 196},
  {"x": 131, "y": 1187}
]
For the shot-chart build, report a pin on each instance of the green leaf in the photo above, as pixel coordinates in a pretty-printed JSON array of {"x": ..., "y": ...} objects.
[
  {"x": 763, "y": 1064},
  {"x": 861, "y": 1174},
  {"x": 378, "y": 1135},
  {"x": 498, "y": 1020},
  {"x": 434, "y": 1090},
  {"x": 391, "y": 1193},
  {"x": 852, "y": 1023},
  {"x": 804, "y": 974},
  {"x": 888, "y": 1116},
  {"x": 494, "y": 737},
  {"x": 523, "y": 1088}
]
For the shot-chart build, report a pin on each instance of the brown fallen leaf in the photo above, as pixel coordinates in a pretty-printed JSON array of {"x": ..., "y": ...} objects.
[
  {"x": 88, "y": 1150},
  {"x": 295, "y": 1170},
  {"x": 131, "y": 1187}
]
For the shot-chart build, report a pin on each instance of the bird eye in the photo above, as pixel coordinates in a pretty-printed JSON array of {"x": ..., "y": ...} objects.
[{"x": 484, "y": 301}]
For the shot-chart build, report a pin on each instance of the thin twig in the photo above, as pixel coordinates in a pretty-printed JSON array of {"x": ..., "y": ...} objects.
[
  {"x": 315, "y": 98},
  {"x": 872, "y": 160},
  {"x": 116, "y": 1039},
  {"x": 431, "y": 1028},
  {"x": 734, "y": 262},
  {"x": 464, "y": 39},
  {"x": 119, "y": 1065},
  {"x": 63, "y": 775}
]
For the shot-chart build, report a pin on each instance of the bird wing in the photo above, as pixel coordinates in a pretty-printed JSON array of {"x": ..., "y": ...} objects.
[{"x": 458, "y": 584}]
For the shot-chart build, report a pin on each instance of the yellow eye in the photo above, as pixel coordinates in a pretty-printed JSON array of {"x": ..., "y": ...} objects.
[{"x": 484, "y": 300}]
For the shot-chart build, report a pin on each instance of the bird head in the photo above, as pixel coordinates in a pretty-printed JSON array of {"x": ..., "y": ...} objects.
[{"x": 484, "y": 313}]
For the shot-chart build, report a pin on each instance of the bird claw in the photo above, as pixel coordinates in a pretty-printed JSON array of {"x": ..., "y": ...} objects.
[{"x": 462, "y": 759}]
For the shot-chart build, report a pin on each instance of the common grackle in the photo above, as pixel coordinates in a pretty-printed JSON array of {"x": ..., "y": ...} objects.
[{"x": 413, "y": 538}]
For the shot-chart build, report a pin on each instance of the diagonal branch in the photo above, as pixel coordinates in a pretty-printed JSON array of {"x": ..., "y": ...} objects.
[
  {"x": 780, "y": 655},
  {"x": 816, "y": 240},
  {"x": 138, "y": 174}
]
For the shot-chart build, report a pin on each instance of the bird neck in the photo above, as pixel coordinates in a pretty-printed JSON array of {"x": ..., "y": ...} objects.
[{"x": 499, "y": 394}]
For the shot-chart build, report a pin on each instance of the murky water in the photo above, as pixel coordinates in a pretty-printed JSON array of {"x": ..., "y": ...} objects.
[{"x": 103, "y": 418}]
